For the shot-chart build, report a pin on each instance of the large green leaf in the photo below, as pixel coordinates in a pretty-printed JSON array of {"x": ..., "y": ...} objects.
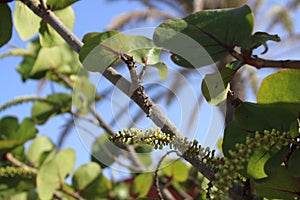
[
  {"x": 12, "y": 134},
  {"x": 26, "y": 22},
  {"x": 48, "y": 36},
  {"x": 103, "y": 49},
  {"x": 52, "y": 174},
  {"x": 204, "y": 37},
  {"x": 282, "y": 86},
  {"x": 38, "y": 148},
  {"x": 58, "y": 4},
  {"x": 5, "y": 24},
  {"x": 294, "y": 163},
  {"x": 142, "y": 184},
  {"x": 104, "y": 151},
  {"x": 280, "y": 185},
  {"x": 85, "y": 175},
  {"x": 57, "y": 103}
]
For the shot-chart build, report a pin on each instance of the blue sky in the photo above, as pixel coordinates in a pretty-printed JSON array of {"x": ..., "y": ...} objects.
[{"x": 90, "y": 15}]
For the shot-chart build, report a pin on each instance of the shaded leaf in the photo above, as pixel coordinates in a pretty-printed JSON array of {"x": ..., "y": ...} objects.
[
  {"x": 205, "y": 37},
  {"x": 5, "y": 24},
  {"x": 58, "y": 103},
  {"x": 256, "y": 40},
  {"x": 12, "y": 134},
  {"x": 282, "y": 86},
  {"x": 294, "y": 163},
  {"x": 280, "y": 185},
  {"x": 215, "y": 86},
  {"x": 104, "y": 151},
  {"x": 26, "y": 22},
  {"x": 48, "y": 36},
  {"x": 102, "y": 50},
  {"x": 58, "y": 4},
  {"x": 98, "y": 189},
  {"x": 142, "y": 184}
]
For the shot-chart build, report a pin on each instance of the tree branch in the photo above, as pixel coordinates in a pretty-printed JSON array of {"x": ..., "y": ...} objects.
[{"x": 264, "y": 63}]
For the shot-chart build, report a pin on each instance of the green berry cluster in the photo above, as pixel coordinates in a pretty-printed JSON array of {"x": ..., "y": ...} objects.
[
  {"x": 12, "y": 172},
  {"x": 227, "y": 173}
]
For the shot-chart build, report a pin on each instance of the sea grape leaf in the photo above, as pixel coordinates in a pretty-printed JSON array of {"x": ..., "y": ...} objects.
[
  {"x": 282, "y": 86},
  {"x": 48, "y": 36},
  {"x": 103, "y": 49},
  {"x": 215, "y": 86},
  {"x": 57, "y": 103},
  {"x": 256, "y": 40},
  {"x": 142, "y": 184},
  {"x": 26, "y": 22},
  {"x": 280, "y": 185},
  {"x": 58, "y": 4},
  {"x": 205, "y": 37},
  {"x": 5, "y": 24},
  {"x": 85, "y": 175}
]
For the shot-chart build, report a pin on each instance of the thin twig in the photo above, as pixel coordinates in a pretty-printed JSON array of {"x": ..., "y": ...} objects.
[
  {"x": 159, "y": 194},
  {"x": 17, "y": 163}
]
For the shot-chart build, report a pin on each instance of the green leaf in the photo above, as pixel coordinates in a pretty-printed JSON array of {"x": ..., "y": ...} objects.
[
  {"x": 282, "y": 86},
  {"x": 26, "y": 22},
  {"x": 143, "y": 50},
  {"x": 235, "y": 65},
  {"x": 58, "y": 4},
  {"x": 142, "y": 184},
  {"x": 28, "y": 61},
  {"x": 177, "y": 170},
  {"x": 58, "y": 103},
  {"x": 251, "y": 117},
  {"x": 280, "y": 185},
  {"x": 256, "y": 40},
  {"x": 52, "y": 174},
  {"x": 37, "y": 149},
  {"x": 9, "y": 186},
  {"x": 98, "y": 189},
  {"x": 215, "y": 86},
  {"x": 12, "y": 134},
  {"x": 5, "y": 24},
  {"x": 205, "y": 37},
  {"x": 162, "y": 69},
  {"x": 104, "y": 151},
  {"x": 85, "y": 175},
  {"x": 294, "y": 162},
  {"x": 102, "y": 50},
  {"x": 48, "y": 36},
  {"x": 276, "y": 160}
]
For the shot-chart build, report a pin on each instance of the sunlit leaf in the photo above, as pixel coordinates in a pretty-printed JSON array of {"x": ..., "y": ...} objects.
[
  {"x": 282, "y": 86},
  {"x": 48, "y": 36},
  {"x": 215, "y": 86},
  {"x": 52, "y": 174},
  {"x": 142, "y": 184},
  {"x": 177, "y": 170},
  {"x": 26, "y": 22}
]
